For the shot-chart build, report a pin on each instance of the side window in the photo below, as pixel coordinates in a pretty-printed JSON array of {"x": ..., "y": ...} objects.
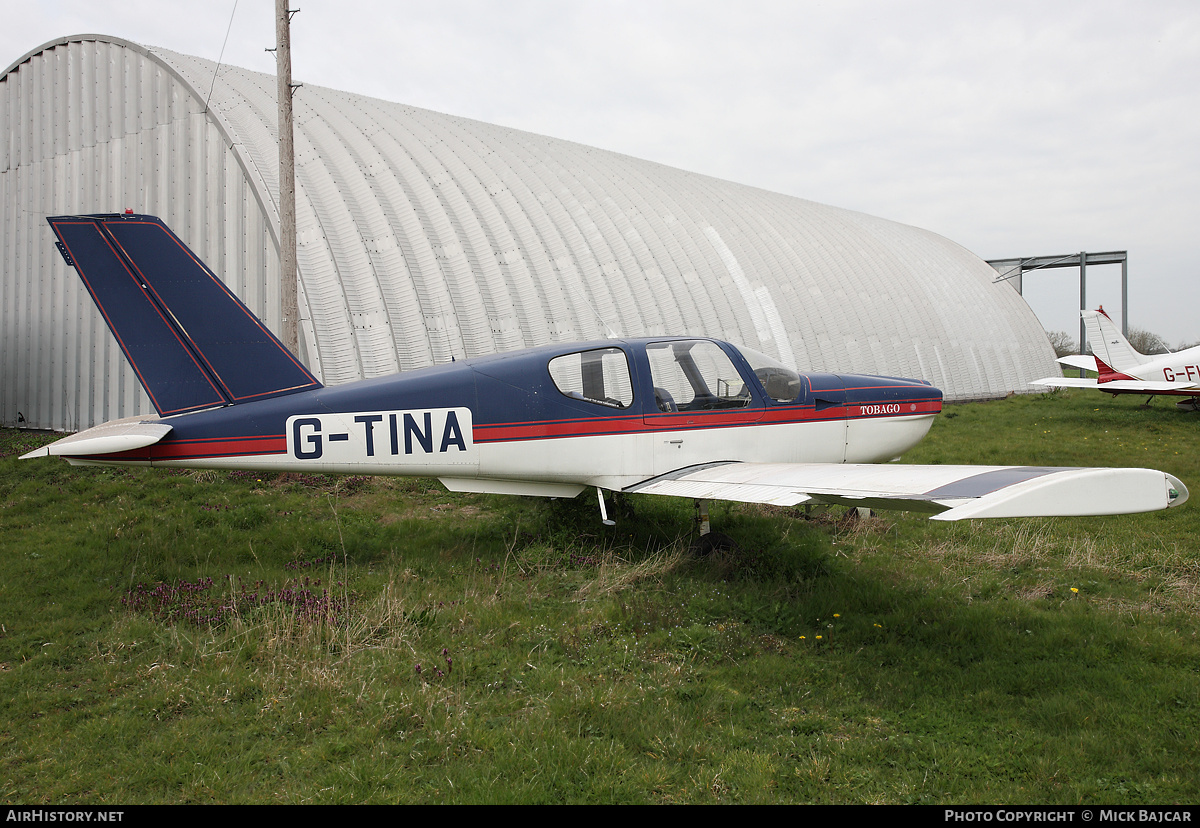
[
  {"x": 782, "y": 384},
  {"x": 694, "y": 375},
  {"x": 600, "y": 376}
]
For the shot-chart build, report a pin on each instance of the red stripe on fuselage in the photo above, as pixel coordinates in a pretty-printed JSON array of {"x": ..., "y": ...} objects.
[
  {"x": 685, "y": 421},
  {"x": 507, "y": 432},
  {"x": 200, "y": 449},
  {"x": 219, "y": 447}
]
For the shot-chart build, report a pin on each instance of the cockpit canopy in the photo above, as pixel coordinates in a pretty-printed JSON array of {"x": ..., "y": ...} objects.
[{"x": 686, "y": 374}]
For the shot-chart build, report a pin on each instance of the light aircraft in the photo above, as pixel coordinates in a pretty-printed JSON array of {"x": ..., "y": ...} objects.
[
  {"x": 684, "y": 416},
  {"x": 1122, "y": 370}
]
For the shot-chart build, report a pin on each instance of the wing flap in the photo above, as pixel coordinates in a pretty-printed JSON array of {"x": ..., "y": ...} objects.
[
  {"x": 128, "y": 434},
  {"x": 716, "y": 490},
  {"x": 956, "y": 492}
]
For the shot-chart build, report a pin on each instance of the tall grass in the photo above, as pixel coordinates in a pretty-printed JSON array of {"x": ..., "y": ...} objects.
[{"x": 461, "y": 648}]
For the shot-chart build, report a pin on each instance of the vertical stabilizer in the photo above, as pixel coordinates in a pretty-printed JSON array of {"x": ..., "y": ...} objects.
[
  {"x": 192, "y": 343},
  {"x": 1108, "y": 345}
]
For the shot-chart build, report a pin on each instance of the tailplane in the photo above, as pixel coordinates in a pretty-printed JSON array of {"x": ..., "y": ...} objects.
[
  {"x": 192, "y": 343},
  {"x": 1111, "y": 349}
]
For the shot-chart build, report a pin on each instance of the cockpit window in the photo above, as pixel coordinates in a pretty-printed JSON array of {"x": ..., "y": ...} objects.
[
  {"x": 782, "y": 384},
  {"x": 600, "y": 376},
  {"x": 694, "y": 375}
]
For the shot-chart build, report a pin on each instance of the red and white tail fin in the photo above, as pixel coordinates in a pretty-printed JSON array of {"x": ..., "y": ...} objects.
[{"x": 1111, "y": 349}]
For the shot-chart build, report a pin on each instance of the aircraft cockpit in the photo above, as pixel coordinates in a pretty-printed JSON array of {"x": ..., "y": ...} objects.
[
  {"x": 782, "y": 384},
  {"x": 686, "y": 375},
  {"x": 694, "y": 375}
]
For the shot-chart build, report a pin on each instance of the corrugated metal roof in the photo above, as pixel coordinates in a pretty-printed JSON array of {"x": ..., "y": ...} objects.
[{"x": 424, "y": 236}]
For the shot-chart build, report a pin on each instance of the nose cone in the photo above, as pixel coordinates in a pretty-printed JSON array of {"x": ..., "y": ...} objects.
[{"x": 887, "y": 416}]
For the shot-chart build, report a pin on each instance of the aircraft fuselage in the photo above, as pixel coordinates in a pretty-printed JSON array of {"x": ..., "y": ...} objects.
[{"x": 505, "y": 423}]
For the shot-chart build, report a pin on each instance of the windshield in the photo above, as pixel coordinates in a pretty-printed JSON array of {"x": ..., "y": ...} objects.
[
  {"x": 694, "y": 375},
  {"x": 782, "y": 384}
]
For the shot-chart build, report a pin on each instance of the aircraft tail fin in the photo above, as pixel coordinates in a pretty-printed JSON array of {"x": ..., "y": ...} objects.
[
  {"x": 1111, "y": 349},
  {"x": 192, "y": 343}
]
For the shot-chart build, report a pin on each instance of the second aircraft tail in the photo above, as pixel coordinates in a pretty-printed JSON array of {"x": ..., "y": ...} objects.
[{"x": 1111, "y": 349}]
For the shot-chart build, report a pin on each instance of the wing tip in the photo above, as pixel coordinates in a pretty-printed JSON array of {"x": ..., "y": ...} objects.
[{"x": 1087, "y": 492}]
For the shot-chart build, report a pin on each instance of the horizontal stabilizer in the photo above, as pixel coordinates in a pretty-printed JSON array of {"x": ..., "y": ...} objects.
[
  {"x": 1067, "y": 382},
  {"x": 954, "y": 491},
  {"x": 1085, "y": 361},
  {"x": 193, "y": 344},
  {"x": 120, "y": 435}
]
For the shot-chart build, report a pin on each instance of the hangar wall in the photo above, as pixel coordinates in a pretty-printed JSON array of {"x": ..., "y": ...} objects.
[
  {"x": 424, "y": 236},
  {"x": 98, "y": 125}
]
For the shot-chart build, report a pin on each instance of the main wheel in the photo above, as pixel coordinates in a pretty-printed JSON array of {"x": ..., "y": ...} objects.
[{"x": 713, "y": 542}]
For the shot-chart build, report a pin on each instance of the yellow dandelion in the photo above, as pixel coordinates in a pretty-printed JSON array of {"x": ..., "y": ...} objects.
[
  {"x": 1074, "y": 589},
  {"x": 818, "y": 636},
  {"x": 835, "y": 615}
]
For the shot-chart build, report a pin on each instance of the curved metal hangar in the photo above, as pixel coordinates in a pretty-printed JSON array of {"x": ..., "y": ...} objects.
[{"x": 425, "y": 237}]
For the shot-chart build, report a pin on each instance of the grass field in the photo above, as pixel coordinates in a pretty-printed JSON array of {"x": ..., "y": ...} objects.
[{"x": 245, "y": 638}]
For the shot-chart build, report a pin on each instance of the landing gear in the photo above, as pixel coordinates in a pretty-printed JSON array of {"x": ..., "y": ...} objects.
[
  {"x": 618, "y": 506},
  {"x": 603, "y": 510},
  {"x": 709, "y": 541}
]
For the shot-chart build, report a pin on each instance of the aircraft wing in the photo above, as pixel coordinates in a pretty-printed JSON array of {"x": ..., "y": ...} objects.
[
  {"x": 1134, "y": 386},
  {"x": 952, "y": 492},
  {"x": 119, "y": 435}
]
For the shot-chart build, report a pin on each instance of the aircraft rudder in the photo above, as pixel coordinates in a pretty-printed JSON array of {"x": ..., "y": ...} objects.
[
  {"x": 191, "y": 341},
  {"x": 1108, "y": 344},
  {"x": 171, "y": 375}
]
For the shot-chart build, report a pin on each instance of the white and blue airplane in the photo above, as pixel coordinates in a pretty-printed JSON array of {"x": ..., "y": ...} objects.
[
  {"x": 1122, "y": 370},
  {"x": 684, "y": 416}
]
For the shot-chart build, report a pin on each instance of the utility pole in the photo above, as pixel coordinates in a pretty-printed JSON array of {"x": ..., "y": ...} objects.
[{"x": 289, "y": 300}]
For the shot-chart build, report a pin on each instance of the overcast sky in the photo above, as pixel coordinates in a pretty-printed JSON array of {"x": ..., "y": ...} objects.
[{"x": 1015, "y": 129}]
